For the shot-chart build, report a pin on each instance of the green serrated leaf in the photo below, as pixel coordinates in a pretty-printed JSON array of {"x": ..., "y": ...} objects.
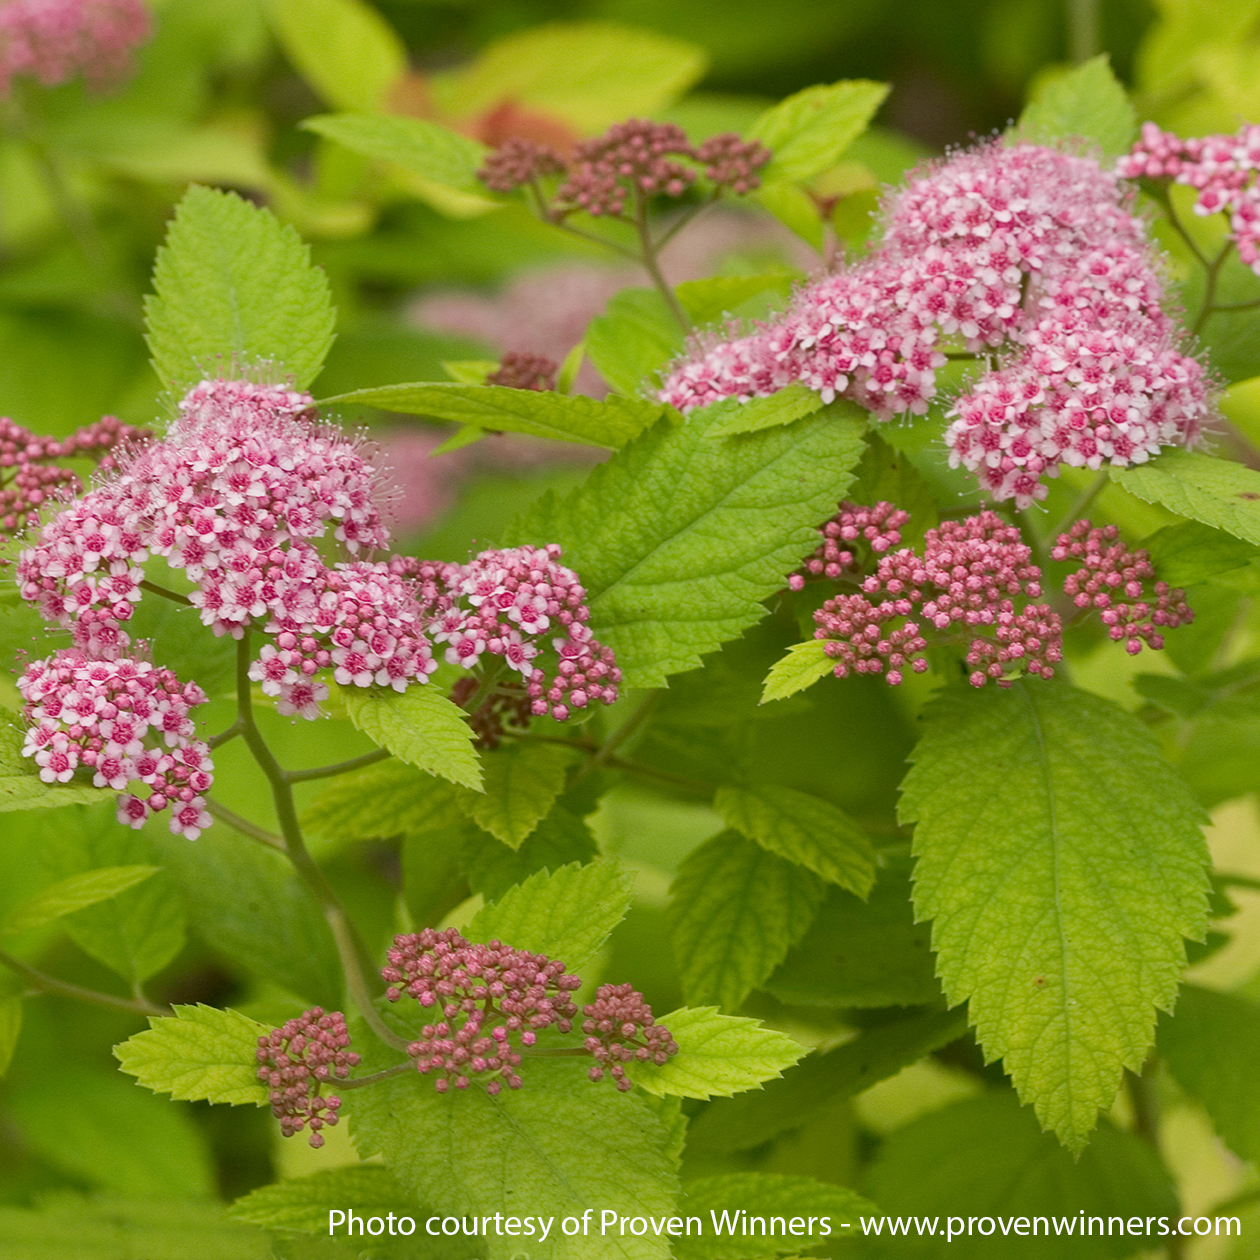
[
  {"x": 344, "y": 49},
  {"x": 803, "y": 829},
  {"x": 1212, "y": 1044},
  {"x": 1062, "y": 862},
  {"x": 735, "y": 911},
  {"x": 748, "y": 1120},
  {"x": 301, "y": 1205},
  {"x": 419, "y": 726},
  {"x": 232, "y": 286},
  {"x": 804, "y": 664},
  {"x": 74, "y": 893},
  {"x": 1216, "y": 492},
  {"x": 789, "y": 404},
  {"x": 199, "y": 1053},
  {"x": 559, "y": 840},
  {"x": 567, "y": 914},
  {"x": 679, "y": 539},
  {"x": 521, "y": 784},
  {"x": 433, "y": 872},
  {"x": 10, "y": 1029},
  {"x": 719, "y": 1201},
  {"x": 1186, "y": 555},
  {"x": 20, "y": 784},
  {"x": 418, "y": 146},
  {"x": 633, "y": 340},
  {"x": 610, "y": 422},
  {"x": 808, "y": 133},
  {"x": 715, "y": 297},
  {"x": 384, "y": 800},
  {"x": 718, "y": 1055},
  {"x": 1087, "y": 101}
]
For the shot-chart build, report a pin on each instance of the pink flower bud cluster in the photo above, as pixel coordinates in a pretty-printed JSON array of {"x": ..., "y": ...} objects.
[
  {"x": 845, "y": 535},
  {"x": 492, "y": 1000},
  {"x": 620, "y": 1028},
  {"x": 1222, "y": 169},
  {"x": 127, "y": 721},
  {"x": 298, "y": 1060},
  {"x": 53, "y": 40},
  {"x": 730, "y": 162},
  {"x": 521, "y": 370},
  {"x": 517, "y": 162},
  {"x": 1120, "y": 583},
  {"x": 28, "y": 480},
  {"x": 1018, "y": 248},
  {"x": 505, "y": 603},
  {"x": 973, "y": 580}
]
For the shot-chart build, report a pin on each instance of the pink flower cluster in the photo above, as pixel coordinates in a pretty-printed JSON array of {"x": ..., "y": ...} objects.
[
  {"x": 1022, "y": 249},
  {"x": 1120, "y": 582},
  {"x": 297, "y": 1061},
  {"x": 492, "y": 999},
  {"x": 852, "y": 526},
  {"x": 516, "y": 162},
  {"x": 28, "y": 480},
  {"x": 967, "y": 581},
  {"x": 1222, "y": 169},
  {"x": 53, "y": 40},
  {"x": 620, "y": 1028},
  {"x": 114, "y": 716}
]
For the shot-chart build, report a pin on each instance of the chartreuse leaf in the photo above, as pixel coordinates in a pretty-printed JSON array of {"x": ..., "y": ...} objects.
[
  {"x": 1062, "y": 862},
  {"x": 566, "y": 914},
  {"x": 754, "y": 1214},
  {"x": 735, "y": 911},
  {"x": 522, "y": 782},
  {"x": 1216, "y": 492},
  {"x": 1087, "y": 101},
  {"x": 233, "y": 285},
  {"x": 804, "y": 664},
  {"x": 679, "y": 538},
  {"x": 200, "y": 1054},
  {"x": 789, "y": 404},
  {"x": 986, "y": 1156},
  {"x": 809, "y": 132},
  {"x": 300, "y": 1205},
  {"x": 1212, "y": 1045},
  {"x": 553, "y": 1148},
  {"x": 492, "y": 867},
  {"x": 417, "y": 145},
  {"x": 1188, "y": 554},
  {"x": 712, "y": 298},
  {"x": 10, "y": 1028},
  {"x": 804, "y": 829},
  {"x": 749, "y": 1119},
  {"x": 610, "y": 422},
  {"x": 419, "y": 726},
  {"x": 718, "y": 1055},
  {"x": 384, "y": 800},
  {"x": 74, "y": 893},
  {"x": 72, "y": 1228},
  {"x": 633, "y": 340},
  {"x": 20, "y": 784},
  {"x": 344, "y": 49}
]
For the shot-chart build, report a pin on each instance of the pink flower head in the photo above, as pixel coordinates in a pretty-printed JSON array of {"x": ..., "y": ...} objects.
[
  {"x": 516, "y": 162},
  {"x": 620, "y": 1028},
  {"x": 53, "y": 40},
  {"x": 298, "y": 1062},
  {"x": 1022, "y": 250},
  {"x": 630, "y": 158}
]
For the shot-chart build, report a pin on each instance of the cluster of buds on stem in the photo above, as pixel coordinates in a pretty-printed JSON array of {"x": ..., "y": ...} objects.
[
  {"x": 298, "y": 1062},
  {"x": 620, "y": 1028}
]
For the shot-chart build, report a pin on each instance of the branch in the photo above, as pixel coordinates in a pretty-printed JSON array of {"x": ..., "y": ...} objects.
[
  {"x": 174, "y": 596},
  {"x": 243, "y": 825},
  {"x": 62, "y": 988},
  {"x": 341, "y": 767}
]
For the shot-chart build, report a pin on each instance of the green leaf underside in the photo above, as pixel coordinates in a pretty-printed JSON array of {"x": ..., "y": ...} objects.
[
  {"x": 1212, "y": 1045},
  {"x": 199, "y": 1053},
  {"x": 1186, "y": 555},
  {"x": 1217, "y": 492},
  {"x": 679, "y": 538},
  {"x": 736, "y": 910},
  {"x": 492, "y": 868},
  {"x": 417, "y": 145},
  {"x": 804, "y": 664},
  {"x": 522, "y": 782},
  {"x": 633, "y": 340},
  {"x": 808, "y": 133},
  {"x": 476, "y": 1155},
  {"x": 1087, "y": 101},
  {"x": 718, "y": 1055},
  {"x": 232, "y": 286},
  {"x": 10, "y": 1029},
  {"x": 384, "y": 800},
  {"x": 566, "y": 914},
  {"x": 799, "y": 1201},
  {"x": 1061, "y": 861},
  {"x": 803, "y": 829},
  {"x": 20, "y": 784},
  {"x": 757, "y": 1116},
  {"x": 709, "y": 299},
  {"x": 74, "y": 893},
  {"x": 419, "y": 726},
  {"x": 788, "y": 405},
  {"x": 610, "y": 422},
  {"x": 301, "y": 1205},
  {"x": 985, "y": 1156}
]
